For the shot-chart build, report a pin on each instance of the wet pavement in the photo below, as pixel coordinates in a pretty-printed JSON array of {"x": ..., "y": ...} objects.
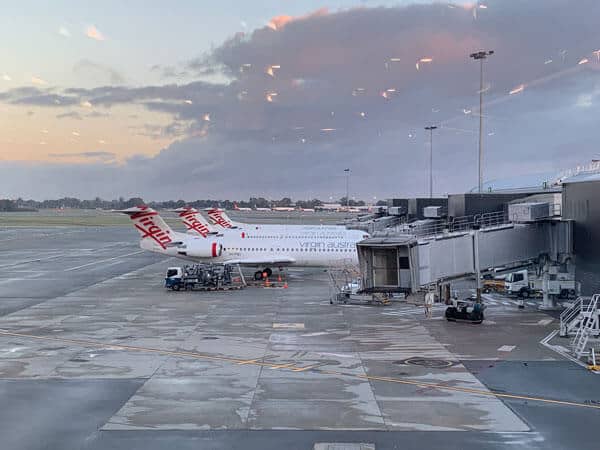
[{"x": 99, "y": 342}]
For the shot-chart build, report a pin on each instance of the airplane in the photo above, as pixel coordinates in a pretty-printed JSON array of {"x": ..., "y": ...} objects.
[
  {"x": 194, "y": 222},
  {"x": 219, "y": 218},
  {"x": 284, "y": 208},
  {"x": 157, "y": 236},
  {"x": 282, "y": 248},
  {"x": 237, "y": 208}
]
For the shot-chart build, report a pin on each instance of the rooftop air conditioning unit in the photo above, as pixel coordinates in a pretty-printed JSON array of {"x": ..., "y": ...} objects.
[{"x": 528, "y": 212}]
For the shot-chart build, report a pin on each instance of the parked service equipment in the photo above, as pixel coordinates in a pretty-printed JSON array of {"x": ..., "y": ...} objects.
[
  {"x": 467, "y": 310},
  {"x": 345, "y": 287},
  {"x": 583, "y": 312},
  {"x": 203, "y": 277},
  {"x": 525, "y": 283},
  {"x": 493, "y": 285}
]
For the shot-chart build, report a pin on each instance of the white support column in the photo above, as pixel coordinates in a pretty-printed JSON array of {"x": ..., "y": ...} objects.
[
  {"x": 548, "y": 300},
  {"x": 476, "y": 262}
]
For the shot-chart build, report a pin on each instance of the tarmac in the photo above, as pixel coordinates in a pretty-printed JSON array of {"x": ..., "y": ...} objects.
[{"x": 96, "y": 354}]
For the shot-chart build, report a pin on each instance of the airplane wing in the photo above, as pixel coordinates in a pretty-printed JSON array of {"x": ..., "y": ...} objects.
[{"x": 276, "y": 260}]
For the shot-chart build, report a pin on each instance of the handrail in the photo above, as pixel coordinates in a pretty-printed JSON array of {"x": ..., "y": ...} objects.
[
  {"x": 579, "y": 343},
  {"x": 572, "y": 310},
  {"x": 452, "y": 225}
]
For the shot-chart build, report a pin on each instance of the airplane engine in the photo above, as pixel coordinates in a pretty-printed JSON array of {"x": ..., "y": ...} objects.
[{"x": 202, "y": 248}]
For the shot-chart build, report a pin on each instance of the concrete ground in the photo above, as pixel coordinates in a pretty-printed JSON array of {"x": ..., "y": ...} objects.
[{"x": 94, "y": 353}]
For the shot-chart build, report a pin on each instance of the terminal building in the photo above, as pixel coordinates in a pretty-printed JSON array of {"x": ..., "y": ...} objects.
[
  {"x": 555, "y": 228},
  {"x": 581, "y": 204}
]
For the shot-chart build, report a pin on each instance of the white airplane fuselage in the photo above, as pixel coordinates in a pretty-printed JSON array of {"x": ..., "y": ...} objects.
[
  {"x": 271, "y": 246},
  {"x": 303, "y": 248},
  {"x": 307, "y": 247}
]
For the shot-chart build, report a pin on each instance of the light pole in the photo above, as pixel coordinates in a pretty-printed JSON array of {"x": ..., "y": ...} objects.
[
  {"x": 347, "y": 171},
  {"x": 431, "y": 128},
  {"x": 481, "y": 56}
]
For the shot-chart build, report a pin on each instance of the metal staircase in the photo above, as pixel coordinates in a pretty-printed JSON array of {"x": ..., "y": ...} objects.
[
  {"x": 570, "y": 318},
  {"x": 588, "y": 326}
]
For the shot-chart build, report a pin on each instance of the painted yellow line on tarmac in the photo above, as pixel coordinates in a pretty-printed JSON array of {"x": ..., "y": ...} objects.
[
  {"x": 249, "y": 361},
  {"x": 302, "y": 369},
  {"x": 478, "y": 391},
  {"x": 290, "y": 366},
  {"x": 282, "y": 366}
]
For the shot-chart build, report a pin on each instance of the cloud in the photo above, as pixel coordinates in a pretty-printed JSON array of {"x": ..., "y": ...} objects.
[
  {"x": 70, "y": 115},
  {"x": 64, "y": 32},
  {"x": 98, "y": 71},
  {"x": 175, "y": 129},
  {"x": 97, "y": 155},
  {"x": 278, "y": 22},
  {"x": 93, "y": 33},
  {"x": 333, "y": 68},
  {"x": 38, "y": 81},
  {"x": 37, "y": 97},
  {"x": 167, "y": 71},
  {"x": 97, "y": 114}
]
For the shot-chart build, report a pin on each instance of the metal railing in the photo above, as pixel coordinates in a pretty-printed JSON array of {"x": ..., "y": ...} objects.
[
  {"x": 592, "y": 168},
  {"x": 432, "y": 227},
  {"x": 588, "y": 326},
  {"x": 423, "y": 228},
  {"x": 569, "y": 317},
  {"x": 491, "y": 219},
  {"x": 457, "y": 224}
]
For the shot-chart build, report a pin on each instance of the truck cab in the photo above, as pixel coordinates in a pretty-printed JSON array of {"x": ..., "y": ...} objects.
[
  {"x": 517, "y": 283},
  {"x": 526, "y": 284},
  {"x": 174, "y": 278}
]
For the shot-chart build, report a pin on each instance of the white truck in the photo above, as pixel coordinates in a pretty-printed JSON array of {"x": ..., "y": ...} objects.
[{"x": 526, "y": 284}]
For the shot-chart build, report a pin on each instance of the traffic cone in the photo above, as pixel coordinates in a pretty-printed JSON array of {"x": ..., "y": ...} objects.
[
  {"x": 267, "y": 284},
  {"x": 279, "y": 278},
  {"x": 285, "y": 286}
]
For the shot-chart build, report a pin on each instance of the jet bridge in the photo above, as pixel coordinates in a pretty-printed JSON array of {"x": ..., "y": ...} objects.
[{"x": 411, "y": 262}]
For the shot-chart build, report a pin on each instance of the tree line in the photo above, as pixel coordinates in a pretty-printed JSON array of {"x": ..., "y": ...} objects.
[{"x": 122, "y": 203}]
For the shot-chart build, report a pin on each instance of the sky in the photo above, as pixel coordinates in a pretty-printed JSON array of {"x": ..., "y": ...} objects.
[{"x": 229, "y": 99}]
